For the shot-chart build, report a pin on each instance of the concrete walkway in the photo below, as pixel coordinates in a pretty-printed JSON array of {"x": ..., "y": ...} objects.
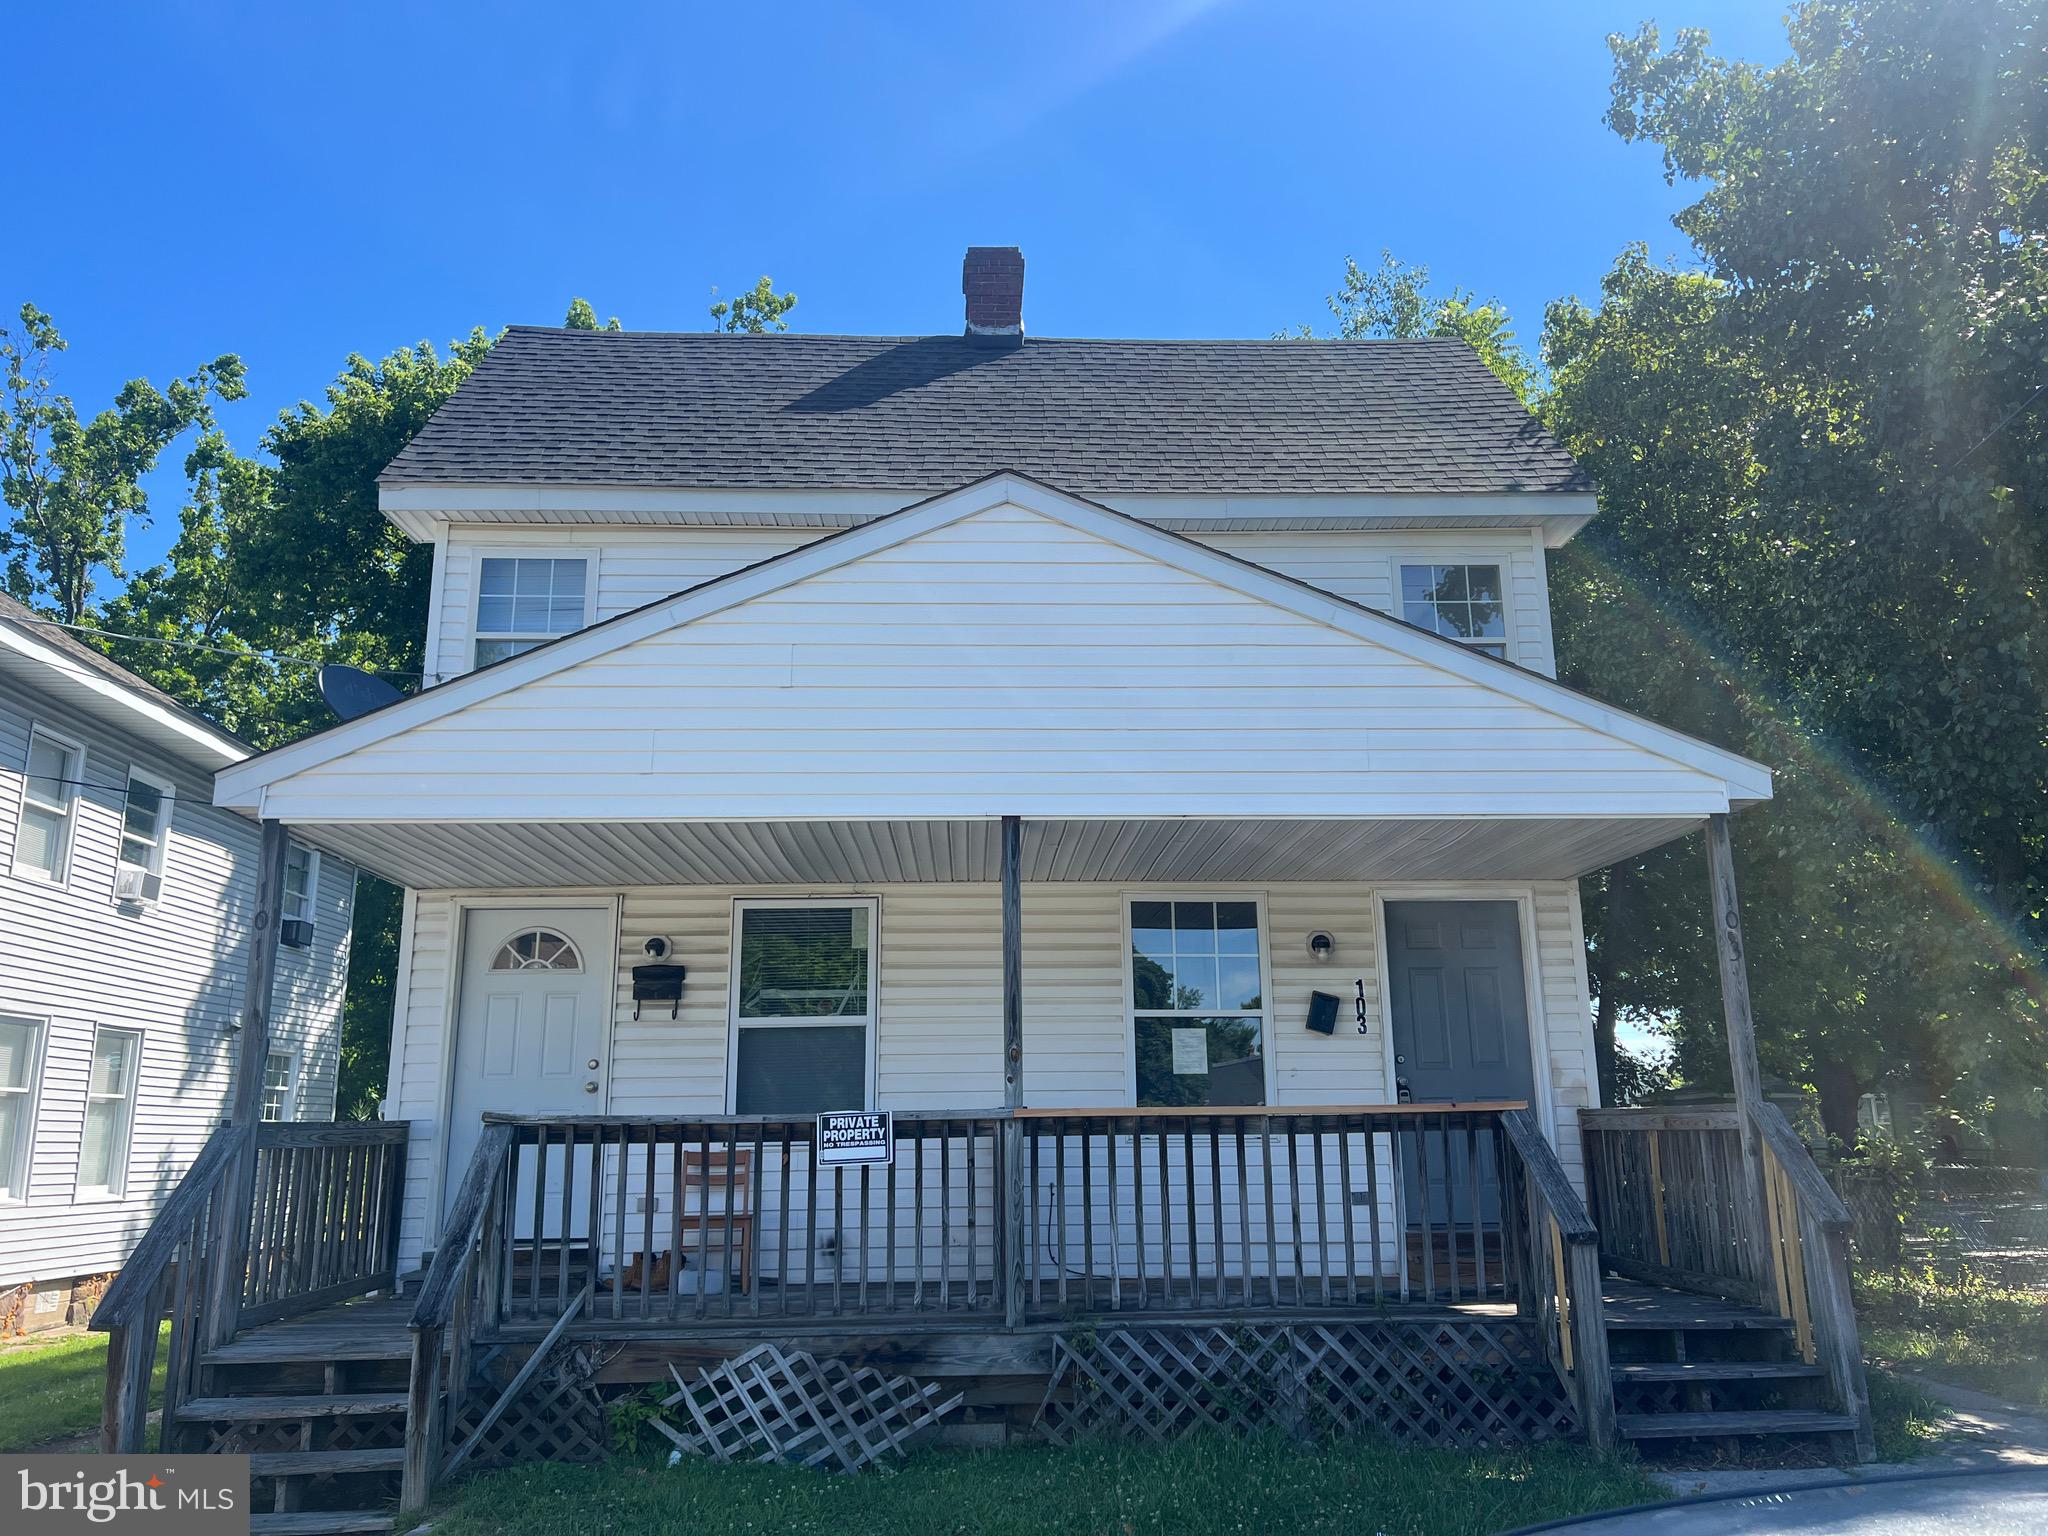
[
  {"x": 1980, "y": 1433},
  {"x": 1974, "y": 1502}
]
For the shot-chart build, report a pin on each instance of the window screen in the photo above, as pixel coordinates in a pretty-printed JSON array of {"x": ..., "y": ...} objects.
[{"x": 800, "y": 963}]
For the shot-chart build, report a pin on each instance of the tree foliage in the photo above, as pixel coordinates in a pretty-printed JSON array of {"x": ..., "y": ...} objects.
[
  {"x": 753, "y": 311},
  {"x": 1821, "y": 464},
  {"x": 73, "y": 484},
  {"x": 582, "y": 317},
  {"x": 1395, "y": 301}
]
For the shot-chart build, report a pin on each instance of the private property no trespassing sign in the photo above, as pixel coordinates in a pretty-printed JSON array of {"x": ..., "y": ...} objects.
[{"x": 849, "y": 1137}]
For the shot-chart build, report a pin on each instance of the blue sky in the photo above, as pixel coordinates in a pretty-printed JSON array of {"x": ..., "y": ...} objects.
[{"x": 296, "y": 182}]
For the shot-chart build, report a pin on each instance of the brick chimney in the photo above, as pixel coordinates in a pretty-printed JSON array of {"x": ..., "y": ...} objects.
[{"x": 992, "y": 277}]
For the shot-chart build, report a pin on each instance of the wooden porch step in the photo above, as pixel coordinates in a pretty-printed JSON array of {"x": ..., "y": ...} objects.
[
  {"x": 297, "y": 1346},
  {"x": 209, "y": 1410},
  {"x": 302, "y": 1463},
  {"x": 319, "y": 1522},
  {"x": 1762, "y": 1421},
  {"x": 1714, "y": 1370}
]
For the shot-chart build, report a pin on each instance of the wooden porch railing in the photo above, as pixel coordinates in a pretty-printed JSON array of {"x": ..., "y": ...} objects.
[
  {"x": 1562, "y": 1278},
  {"x": 322, "y": 1227},
  {"x": 1200, "y": 1207},
  {"x": 1668, "y": 1195}
]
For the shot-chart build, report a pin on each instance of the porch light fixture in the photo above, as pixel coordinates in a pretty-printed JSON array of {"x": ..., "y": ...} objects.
[{"x": 1321, "y": 947}]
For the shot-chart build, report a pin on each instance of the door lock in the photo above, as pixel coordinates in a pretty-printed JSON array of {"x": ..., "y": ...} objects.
[{"x": 592, "y": 1064}]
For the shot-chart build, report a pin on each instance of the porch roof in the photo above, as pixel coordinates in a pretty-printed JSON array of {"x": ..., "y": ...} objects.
[
  {"x": 825, "y": 854},
  {"x": 1004, "y": 649}
]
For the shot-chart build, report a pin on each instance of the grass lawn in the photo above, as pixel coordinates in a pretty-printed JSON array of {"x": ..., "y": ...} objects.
[
  {"x": 1958, "y": 1329},
  {"x": 1196, "y": 1486},
  {"x": 51, "y": 1389}
]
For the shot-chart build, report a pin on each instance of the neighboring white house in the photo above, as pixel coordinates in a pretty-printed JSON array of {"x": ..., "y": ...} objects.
[
  {"x": 747, "y": 644},
  {"x": 125, "y": 899}
]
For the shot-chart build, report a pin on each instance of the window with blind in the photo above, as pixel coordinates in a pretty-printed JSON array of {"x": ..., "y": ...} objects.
[{"x": 803, "y": 1005}]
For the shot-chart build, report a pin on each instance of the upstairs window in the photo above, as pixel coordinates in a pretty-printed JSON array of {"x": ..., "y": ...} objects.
[
  {"x": 1461, "y": 602},
  {"x": 49, "y": 807},
  {"x": 526, "y": 601},
  {"x": 146, "y": 826}
]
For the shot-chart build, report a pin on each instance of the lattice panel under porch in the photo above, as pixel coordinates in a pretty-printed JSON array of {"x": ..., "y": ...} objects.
[{"x": 1423, "y": 1382}]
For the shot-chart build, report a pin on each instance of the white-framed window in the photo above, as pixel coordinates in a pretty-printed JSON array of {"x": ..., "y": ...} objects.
[
  {"x": 109, "y": 1112},
  {"x": 21, "y": 1043},
  {"x": 301, "y": 883},
  {"x": 1198, "y": 1009},
  {"x": 145, "y": 831},
  {"x": 803, "y": 1005},
  {"x": 1466, "y": 602},
  {"x": 280, "y": 1086},
  {"x": 49, "y": 807},
  {"x": 525, "y": 600}
]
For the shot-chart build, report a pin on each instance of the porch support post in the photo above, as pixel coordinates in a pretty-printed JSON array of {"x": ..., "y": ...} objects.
[
  {"x": 226, "y": 1274},
  {"x": 1743, "y": 1071},
  {"x": 1016, "y": 1228}
]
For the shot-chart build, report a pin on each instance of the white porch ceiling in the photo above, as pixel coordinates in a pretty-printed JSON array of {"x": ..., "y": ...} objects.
[{"x": 817, "y": 854}]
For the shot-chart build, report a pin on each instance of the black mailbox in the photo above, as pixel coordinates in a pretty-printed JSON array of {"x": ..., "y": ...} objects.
[
  {"x": 1322, "y": 1012},
  {"x": 659, "y": 984}
]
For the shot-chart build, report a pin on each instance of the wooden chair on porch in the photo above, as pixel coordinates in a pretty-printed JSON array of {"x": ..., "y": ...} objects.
[{"x": 717, "y": 1199}]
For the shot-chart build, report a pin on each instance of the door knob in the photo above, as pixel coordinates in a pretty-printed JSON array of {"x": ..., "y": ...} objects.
[{"x": 590, "y": 1087}]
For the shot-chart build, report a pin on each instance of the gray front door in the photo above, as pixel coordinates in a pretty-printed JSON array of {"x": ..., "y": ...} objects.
[{"x": 1460, "y": 1017}]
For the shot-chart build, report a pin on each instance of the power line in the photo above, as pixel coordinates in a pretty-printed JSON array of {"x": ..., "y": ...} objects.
[
  {"x": 2005, "y": 421},
  {"x": 245, "y": 653}
]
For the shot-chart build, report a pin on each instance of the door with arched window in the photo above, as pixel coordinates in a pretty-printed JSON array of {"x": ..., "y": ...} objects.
[{"x": 530, "y": 1035}]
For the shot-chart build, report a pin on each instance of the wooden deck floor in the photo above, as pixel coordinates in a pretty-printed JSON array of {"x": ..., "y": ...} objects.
[{"x": 375, "y": 1328}]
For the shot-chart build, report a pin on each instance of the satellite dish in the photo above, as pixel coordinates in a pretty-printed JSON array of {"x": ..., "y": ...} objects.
[{"x": 350, "y": 691}]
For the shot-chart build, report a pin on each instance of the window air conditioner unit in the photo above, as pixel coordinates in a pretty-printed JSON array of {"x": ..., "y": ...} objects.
[
  {"x": 138, "y": 886},
  {"x": 295, "y": 933}
]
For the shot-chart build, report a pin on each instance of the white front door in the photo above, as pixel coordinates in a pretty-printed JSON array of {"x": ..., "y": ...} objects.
[{"x": 530, "y": 1030}]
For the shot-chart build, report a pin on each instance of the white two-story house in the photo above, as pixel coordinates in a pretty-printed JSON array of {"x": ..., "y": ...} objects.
[
  {"x": 125, "y": 900},
  {"x": 1129, "y": 775}
]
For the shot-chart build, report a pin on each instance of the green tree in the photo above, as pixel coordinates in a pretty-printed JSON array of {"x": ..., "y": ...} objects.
[
  {"x": 289, "y": 556},
  {"x": 757, "y": 309},
  {"x": 73, "y": 484},
  {"x": 1821, "y": 464},
  {"x": 1394, "y": 300},
  {"x": 582, "y": 317}
]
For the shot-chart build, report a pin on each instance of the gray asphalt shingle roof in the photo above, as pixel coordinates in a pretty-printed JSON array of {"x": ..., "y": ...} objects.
[{"x": 926, "y": 413}]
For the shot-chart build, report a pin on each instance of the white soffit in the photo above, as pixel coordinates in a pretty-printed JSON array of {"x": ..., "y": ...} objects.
[{"x": 422, "y": 512}]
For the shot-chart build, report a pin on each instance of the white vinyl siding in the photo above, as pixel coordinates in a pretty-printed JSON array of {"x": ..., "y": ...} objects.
[
  {"x": 73, "y": 959},
  {"x": 958, "y": 668},
  {"x": 938, "y": 1030},
  {"x": 53, "y": 769},
  {"x": 635, "y": 566}
]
